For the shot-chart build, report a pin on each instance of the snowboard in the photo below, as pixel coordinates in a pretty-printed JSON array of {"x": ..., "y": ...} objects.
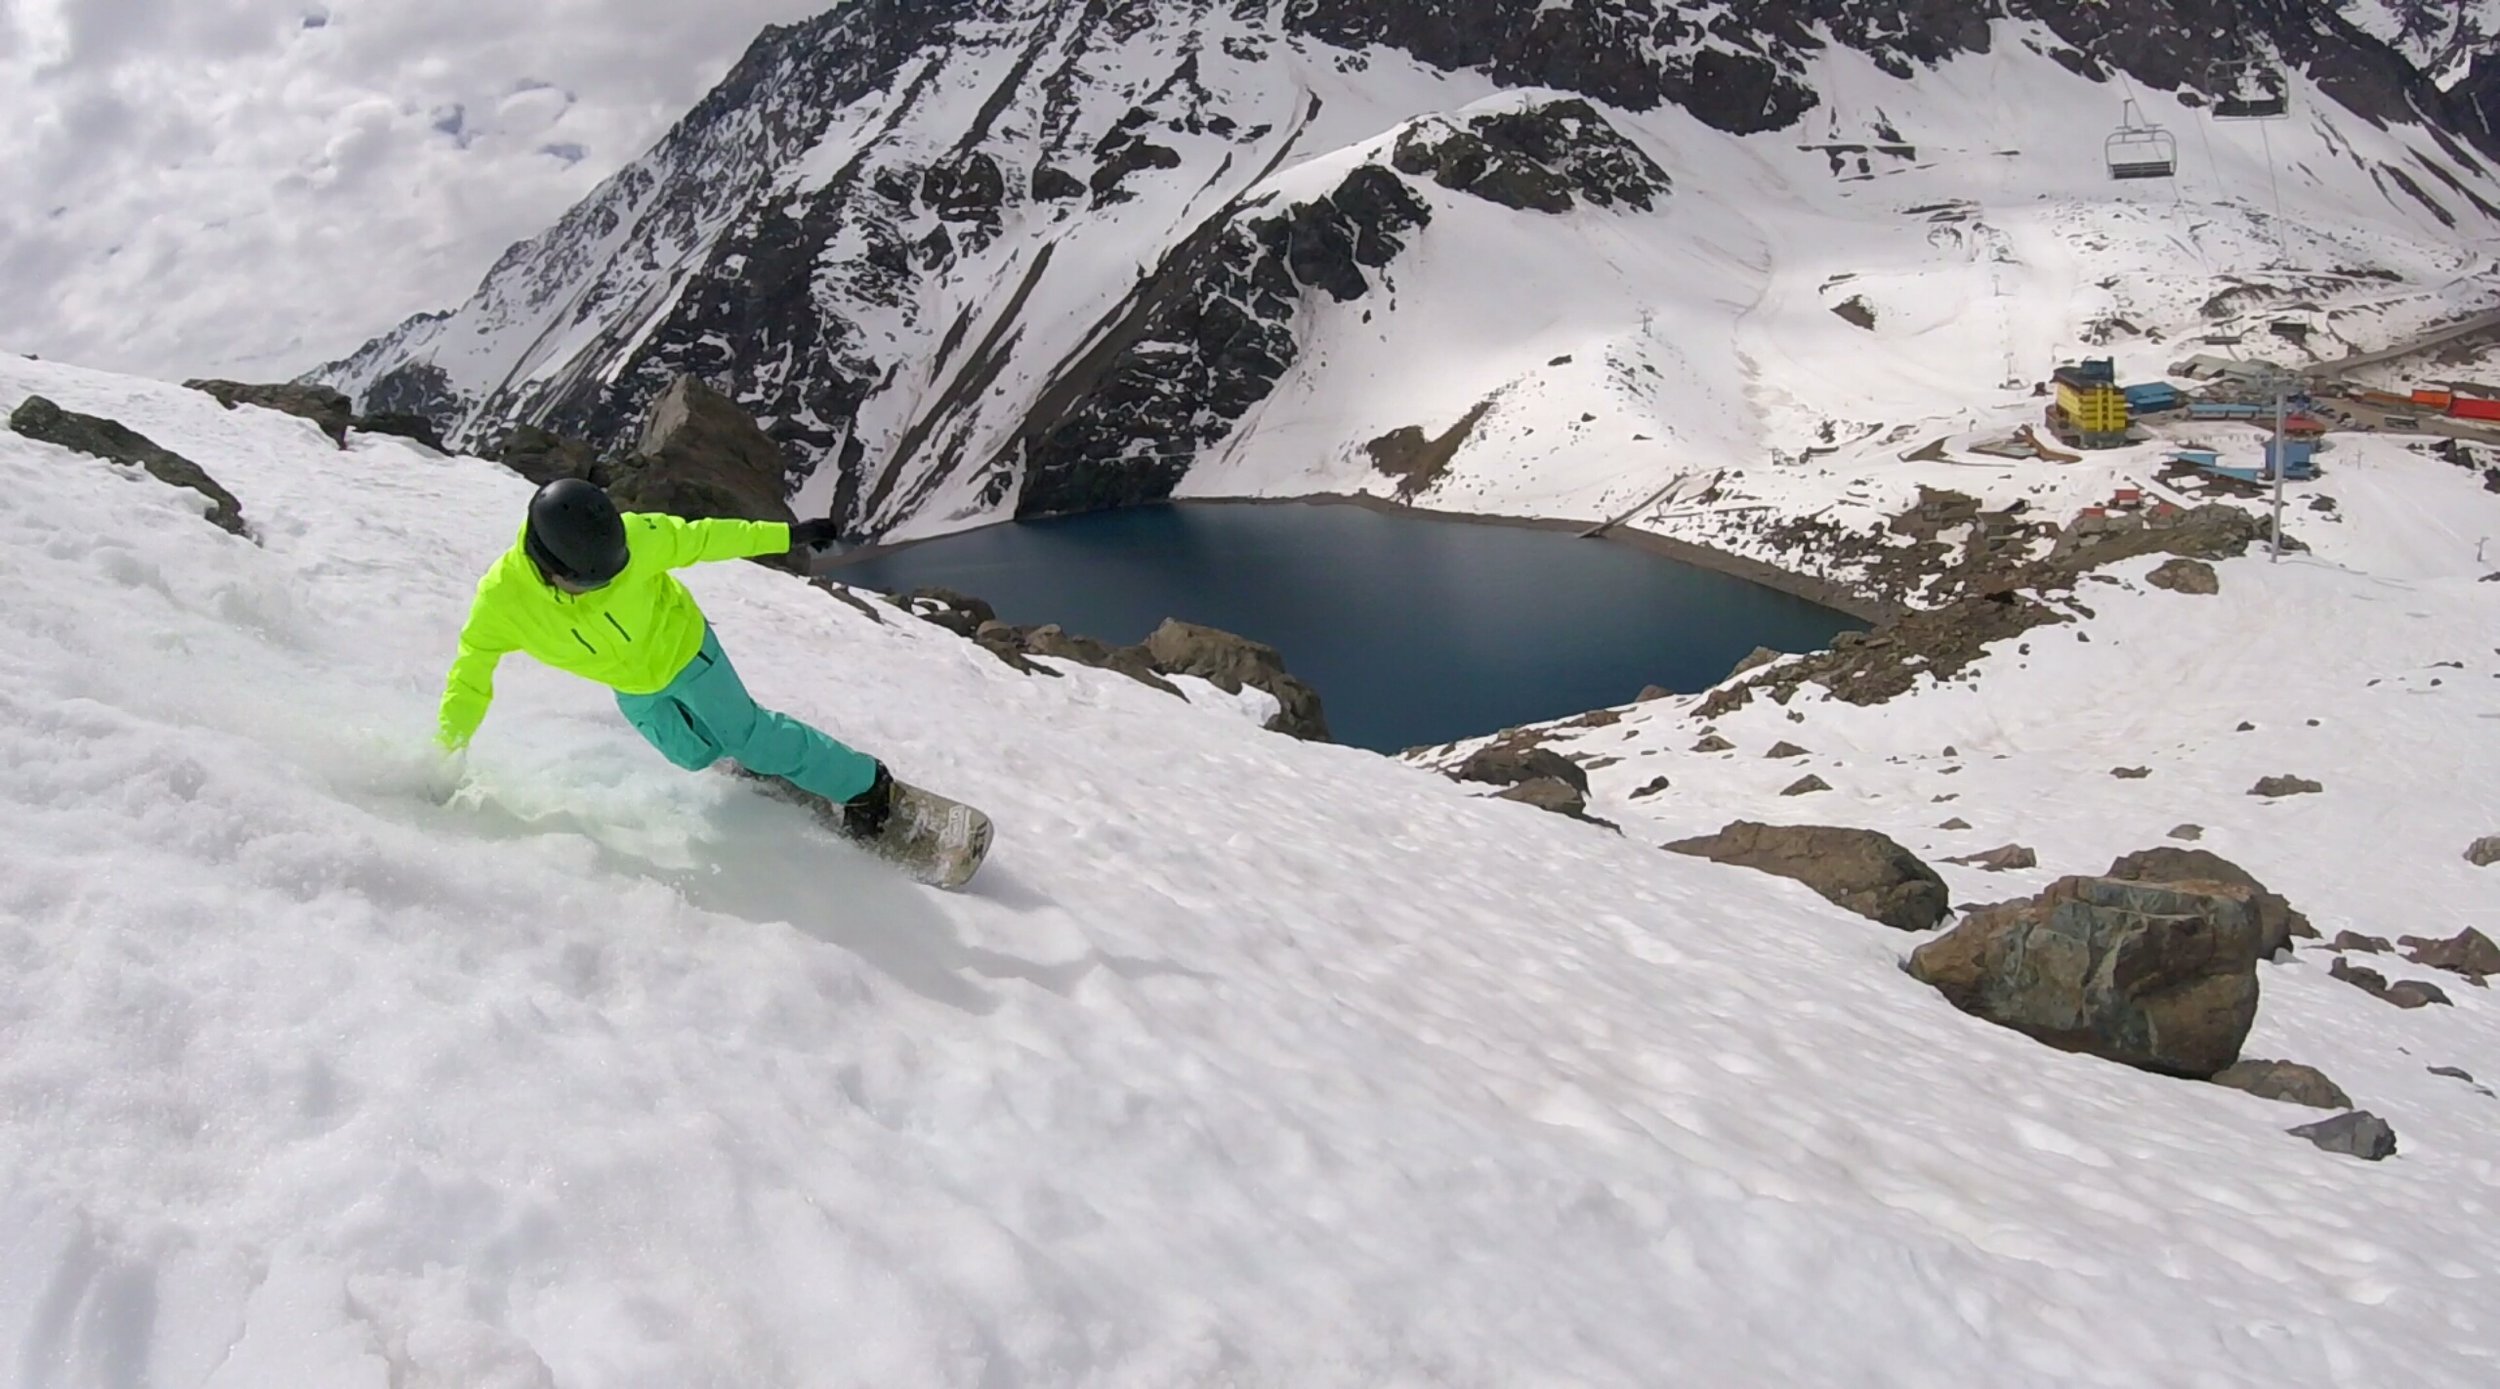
[
  {"x": 937, "y": 841},
  {"x": 941, "y": 842}
]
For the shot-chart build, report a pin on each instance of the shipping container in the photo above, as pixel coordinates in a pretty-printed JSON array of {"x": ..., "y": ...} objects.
[
  {"x": 2433, "y": 400},
  {"x": 2466, "y": 407}
]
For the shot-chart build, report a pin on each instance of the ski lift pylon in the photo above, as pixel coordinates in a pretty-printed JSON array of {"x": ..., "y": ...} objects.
[{"x": 2140, "y": 149}]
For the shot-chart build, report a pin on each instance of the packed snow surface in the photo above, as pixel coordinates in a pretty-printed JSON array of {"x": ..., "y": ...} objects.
[{"x": 1245, "y": 1062}]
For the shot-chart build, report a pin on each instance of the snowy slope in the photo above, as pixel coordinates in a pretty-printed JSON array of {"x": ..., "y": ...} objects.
[
  {"x": 1249, "y": 1062},
  {"x": 853, "y": 238}
]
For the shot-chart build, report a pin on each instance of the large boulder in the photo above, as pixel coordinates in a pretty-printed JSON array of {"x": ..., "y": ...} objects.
[
  {"x": 2186, "y": 576},
  {"x": 323, "y": 405},
  {"x": 2277, "y": 922},
  {"x": 405, "y": 424},
  {"x": 1860, "y": 870},
  {"x": 2359, "y": 1134},
  {"x": 41, "y": 420},
  {"x": 1229, "y": 662},
  {"x": 2158, "y": 976},
  {"x": 702, "y": 456},
  {"x": 543, "y": 456}
]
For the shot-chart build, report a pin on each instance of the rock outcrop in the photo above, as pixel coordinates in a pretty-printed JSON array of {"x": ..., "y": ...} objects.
[
  {"x": 1859, "y": 870},
  {"x": 2155, "y": 976},
  {"x": 2359, "y": 1134},
  {"x": 1230, "y": 662},
  {"x": 2469, "y": 952},
  {"x": 702, "y": 456},
  {"x": 543, "y": 456},
  {"x": 39, "y": 419},
  {"x": 2186, "y": 576},
  {"x": 326, "y": 407}
]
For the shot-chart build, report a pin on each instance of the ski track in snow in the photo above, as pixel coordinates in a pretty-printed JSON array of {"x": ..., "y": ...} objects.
[{"x": 1247, "y": 1061}]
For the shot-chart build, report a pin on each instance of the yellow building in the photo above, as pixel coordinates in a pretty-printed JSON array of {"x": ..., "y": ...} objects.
[{"x": 2094, "y": 409}]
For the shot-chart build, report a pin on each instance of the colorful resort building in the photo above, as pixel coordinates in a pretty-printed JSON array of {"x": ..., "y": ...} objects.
[{"x": 2090, "y": 410}]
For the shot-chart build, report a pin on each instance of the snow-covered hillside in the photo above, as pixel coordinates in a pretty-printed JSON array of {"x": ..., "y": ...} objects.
[
  {"x": 975, "y": 259},
  {"x": 1247, "y": 1061}
]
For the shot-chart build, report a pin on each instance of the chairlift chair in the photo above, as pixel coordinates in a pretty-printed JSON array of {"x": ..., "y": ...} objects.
[
  {"x": 2250, "y": 89},
  {"x": 2140, "y": 149}
]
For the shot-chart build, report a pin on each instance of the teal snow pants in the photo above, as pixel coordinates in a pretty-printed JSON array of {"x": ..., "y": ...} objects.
[{"x": 706, "y": 714}]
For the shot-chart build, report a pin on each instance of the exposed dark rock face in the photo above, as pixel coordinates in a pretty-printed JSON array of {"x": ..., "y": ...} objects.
[
  {"x": 701, "y": 456},
  {"x": 402, "y": 425},
  {"x": 2155, "y": 976},
  {"x": 2469, "y": 952},
  {"x": 41, "y": 420},
  {"x": 1200, "y": 342},
  {"x": 1546, "y": 158},
  {"x": 1859, "y": 870},
  {"x": 324, "y": 406},
  {"x": 2274, "y": 787},
  {"x": 2186, "y": 576},
  {"x": 2004, "y": 859},
  {"x": 543, "y": 456},
  {"x": 1510, "y": 764}
]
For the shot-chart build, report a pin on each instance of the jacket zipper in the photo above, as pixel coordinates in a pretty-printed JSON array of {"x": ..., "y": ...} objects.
[{"x": 620, "y": 631}]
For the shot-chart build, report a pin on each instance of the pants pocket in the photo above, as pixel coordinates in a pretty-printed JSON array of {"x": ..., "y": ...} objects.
[{"x": 671, "y": 727}]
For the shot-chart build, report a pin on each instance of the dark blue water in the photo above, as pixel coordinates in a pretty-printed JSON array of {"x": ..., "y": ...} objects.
[{"x": 1413, "y": 629}]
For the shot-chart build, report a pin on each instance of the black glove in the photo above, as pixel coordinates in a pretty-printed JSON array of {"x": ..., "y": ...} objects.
[
  {"x": 816, "y": 534},
  {"x": 864, "y": 815}
]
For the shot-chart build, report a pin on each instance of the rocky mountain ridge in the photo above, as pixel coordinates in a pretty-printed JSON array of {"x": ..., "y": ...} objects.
[{"x": 967, "y": 258}]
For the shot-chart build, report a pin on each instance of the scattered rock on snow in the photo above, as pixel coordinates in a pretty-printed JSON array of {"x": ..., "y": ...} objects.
[
  {"x": 404, "y": 424},
  {"x": 1806, "y": 785},
  {"x": 1656, "y": 785},
  {"x": 2277, "y": 921},
  {"x": 2158, "y": 976},
  {"x": 2186, "y": 576},
  {"x": 2404, "y": 993},
  {"x": 2453, "y": 1073},
  {"x": 2288, "y": 1081},
  {"x": 1956, "y": 823},
  {"x": 2131, "y": 773},
  {"x": 1651, "y": 693},
  {"x": 2354, "y": 940},
  {"x": 1714, "y": 743},
  {"x": 1762, "y": 656},
  {"x": 2285, "y": 786},
  {"x": 2002, "y": 859},
  {"x": 1547, "y": 793},
  {"x": 114, "y": 442},
  {"x": 1785, "y": 749},
  {"x": 1516, "y": 764},
  {"x": 2469, "y": 952},
  {"x": 1860, "y": 870},
  {"x": 2359, "y": 1134},
  {"x": 2188, "y": 832},
  {"x": 2484, "y": 852}
]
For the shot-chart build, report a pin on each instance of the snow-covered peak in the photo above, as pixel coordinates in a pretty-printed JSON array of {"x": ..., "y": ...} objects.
[{"x": 957, "y": 257}]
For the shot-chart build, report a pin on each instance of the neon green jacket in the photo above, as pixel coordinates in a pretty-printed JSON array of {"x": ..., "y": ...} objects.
[{"x": 634, "y": 635}]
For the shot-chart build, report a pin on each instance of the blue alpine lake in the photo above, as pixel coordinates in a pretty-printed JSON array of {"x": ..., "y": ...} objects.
[{"x": 1414, "y": 629}]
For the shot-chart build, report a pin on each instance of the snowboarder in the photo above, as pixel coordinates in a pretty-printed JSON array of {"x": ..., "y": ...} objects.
[{"x": 587, "y": 590}]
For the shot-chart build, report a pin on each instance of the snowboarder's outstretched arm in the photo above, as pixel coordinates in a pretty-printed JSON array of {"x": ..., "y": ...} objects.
[
  {"x": 470, "y": 687},
  {"x": 677, "y": 543}
]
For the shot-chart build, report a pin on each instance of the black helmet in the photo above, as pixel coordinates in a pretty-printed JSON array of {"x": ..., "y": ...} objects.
[{"x": 574, "y": 533}]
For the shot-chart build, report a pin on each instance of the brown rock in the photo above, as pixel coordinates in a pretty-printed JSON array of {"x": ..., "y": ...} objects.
[
  {"x": 1785, "y": 749},
  {"x": 2186, "y": 576},
  {"x": 1517, "y": 764},
  {"x": 2359, "y": 1134},
  {"x": 1230, "y": 662},
  {"x": 1806, "y": 785},
  {"x": 2000, "y": 860},
  {"x": 2416, "y": 993},
  {"x": 2288, "y": 1081},
  {"x": 2189, "y": 832},
  {"x": 1652, "y": 692},
  {"x": 2285, "y": 786},
  {"x": 1860, "y": 870},
  {"x": 1547, "y": 793},
  {"x": 701, "y": 456},
  {"x": 2354, "y": 940},
  {"x": 1956, "y": 823},
  {"x": 1762, "y": 656},
  {"x": 329, "y": 410},
  {"x": 2131, "y": 773},
  {"x": 2469, "y": 952},
  {"x": 2158, "y": 976},
  {"x": 1656, "y": 785},
  {"x": 97, "y": 437},
  {"x": 1714, "y": 743},
  {"x": 2484, "y": 852}
]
